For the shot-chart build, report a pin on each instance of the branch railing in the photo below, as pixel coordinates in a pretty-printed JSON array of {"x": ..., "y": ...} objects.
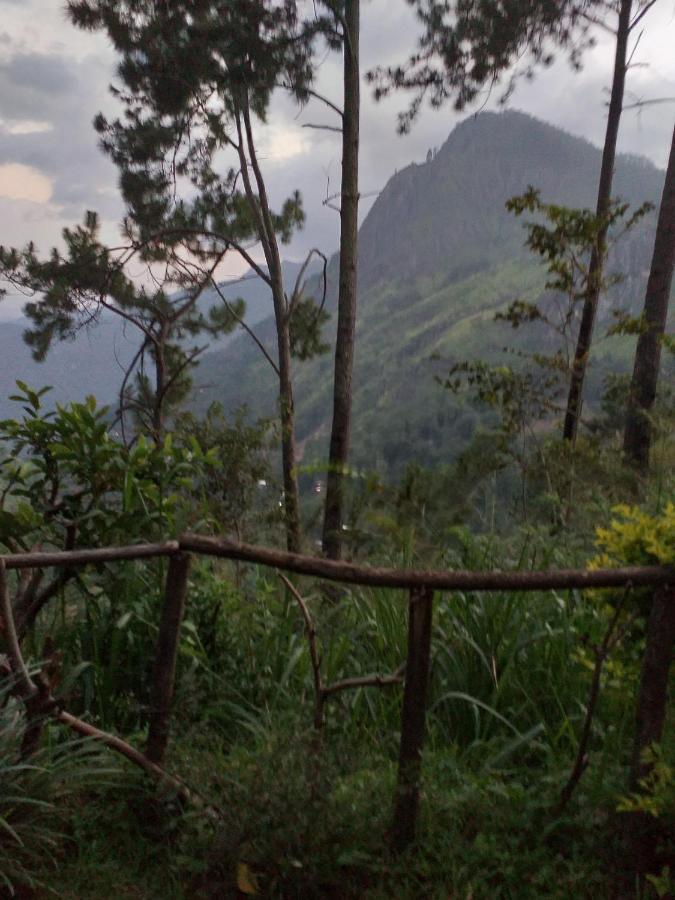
[{"x": 420, "y": 584}]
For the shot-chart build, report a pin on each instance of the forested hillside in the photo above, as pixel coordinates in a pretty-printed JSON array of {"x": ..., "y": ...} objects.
[{"x": 439, "y": 255}]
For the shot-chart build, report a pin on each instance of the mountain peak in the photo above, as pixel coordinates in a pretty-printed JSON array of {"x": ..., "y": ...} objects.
[{"x": 450, "y": 211}]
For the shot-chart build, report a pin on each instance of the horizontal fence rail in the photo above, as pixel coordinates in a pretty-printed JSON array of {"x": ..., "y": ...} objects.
[
  {"x": 349, "y": 573},
  {"x": 437, "y": 580},
  {"x": 72, "y": 558}
]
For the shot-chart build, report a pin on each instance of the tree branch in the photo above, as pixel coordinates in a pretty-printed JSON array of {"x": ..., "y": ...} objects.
[
  {"x": 27, "y": 686},
  {"x": 246, "y": 328},
  {"x": 315, "y": 659},
  {"x": 375, "y": 680},
  {"x": 334, "y": 128}
]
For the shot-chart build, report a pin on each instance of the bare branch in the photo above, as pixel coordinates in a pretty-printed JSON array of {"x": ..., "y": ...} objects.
[
  {"x": 326, "y": 101},
  {"x": 319, "y": 690},
  {"x": 641, "y": 103},
  {"x": 639, "y": 16},
  {"x": 601, "y": 652},
  {"x": 246, "y": 328},
  {"x": 300, "y": 284},
  {"x": 334, "y": 128},
  {"x": 375, "y": 680}
]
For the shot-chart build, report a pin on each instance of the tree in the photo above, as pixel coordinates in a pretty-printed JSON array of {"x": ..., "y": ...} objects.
[
  {"x": 638, "y": 431},
  {"x": 465, "y": 48},
  {"x": 344, "y": 346},
  {"x": 67, "y": 485},
  {"x": 598, "y": 255},
  {"x": 77, "y": 287},
  {"x": 195, "y": 80}
]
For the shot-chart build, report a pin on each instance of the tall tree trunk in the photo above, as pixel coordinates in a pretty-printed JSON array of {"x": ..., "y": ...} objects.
[
  {"x": 595, "y": 271},
  {"x": 288, "y": 448},
  {"x": 344, "y": 346},
  {"x": 261, "y": 210},
  {"x": 638, "y": 433}
]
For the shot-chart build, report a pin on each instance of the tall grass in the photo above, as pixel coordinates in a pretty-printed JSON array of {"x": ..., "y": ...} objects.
[{"x": 35, "y": 793}]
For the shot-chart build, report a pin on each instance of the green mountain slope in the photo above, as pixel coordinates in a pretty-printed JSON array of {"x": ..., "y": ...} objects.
[{"x": 439, "y": 255}]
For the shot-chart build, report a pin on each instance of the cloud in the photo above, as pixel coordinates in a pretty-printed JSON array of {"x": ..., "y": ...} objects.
[
  {"x": 19, "y": 182},
  {"x": 46, "y": 75},
  {"x": 50, "y": 104},
  {"x": 28, "y": 126}
]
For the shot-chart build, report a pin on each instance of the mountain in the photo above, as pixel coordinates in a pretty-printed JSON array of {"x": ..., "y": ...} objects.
[
  {"x": 439, "y": 255},
  {"x": 92, "y": 363},
  {"x": 95, "y": 360}
]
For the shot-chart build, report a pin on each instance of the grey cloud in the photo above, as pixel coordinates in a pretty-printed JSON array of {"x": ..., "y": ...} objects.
[
  {"x": 68, "y": 153},
  {"x": 45, "y": 74}
]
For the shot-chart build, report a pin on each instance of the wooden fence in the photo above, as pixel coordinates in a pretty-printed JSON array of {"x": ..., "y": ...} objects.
[{"x": 420, "y": 585}]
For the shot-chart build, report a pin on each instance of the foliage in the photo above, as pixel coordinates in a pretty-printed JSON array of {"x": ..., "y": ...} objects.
[
  {"x": 34, "y": 796},
  {"x": 91, "y": 280},
  {"x": 464, "y": 49},
  {"x": 68, "y": 482},
  {"x": 656, "y": 795},
  {"x": 238, "y": 489},
  {"x": 564, "y": 240},
  {"x": 637, "y": 538}
]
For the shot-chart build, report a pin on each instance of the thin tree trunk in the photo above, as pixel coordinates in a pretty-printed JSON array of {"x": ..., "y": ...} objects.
[
  {"x": 166, "y": 656},
  {"x": 160, "y": 382},
  {"x": 344, "y": 345},
  {"x": 638, "y": 433},
  {"x": 287, "y": 411},
  {"x": 261, "y": 211},
  {"x": 595, "y": 271},
  {"x": 643, "y": 833}
]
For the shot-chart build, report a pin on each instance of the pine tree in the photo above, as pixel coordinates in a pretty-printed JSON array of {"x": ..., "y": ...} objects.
[
  {"x": 195, "y": 81},
  {"x": 465, "y": 48},
  {"x": 75, "y": 288}
]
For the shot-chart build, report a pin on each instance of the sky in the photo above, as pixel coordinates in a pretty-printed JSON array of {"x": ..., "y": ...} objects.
[{"x": 54, "y": 79}]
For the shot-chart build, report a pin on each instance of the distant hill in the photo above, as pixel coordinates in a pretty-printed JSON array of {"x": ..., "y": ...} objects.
[
  {"x": 439, "y": 255},
  {"x": 94, "y": 361}
]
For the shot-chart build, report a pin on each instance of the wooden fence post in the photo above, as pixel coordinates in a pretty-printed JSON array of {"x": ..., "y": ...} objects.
[
  {"x": 164, "y": 670},
  {"x": 420, "y": 609},
  {"x": 642, "y": 831}
]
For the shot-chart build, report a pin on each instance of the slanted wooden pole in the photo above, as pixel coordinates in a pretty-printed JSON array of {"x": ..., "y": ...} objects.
[
  {"x": 164, "y": 672},
  {"x": 406, "y": 804}
]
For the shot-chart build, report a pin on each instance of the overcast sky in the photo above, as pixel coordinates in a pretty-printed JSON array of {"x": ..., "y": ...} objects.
[{"x": 53, "y": 80}]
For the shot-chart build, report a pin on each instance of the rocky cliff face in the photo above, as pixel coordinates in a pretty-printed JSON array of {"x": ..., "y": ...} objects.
[{"x": 447, "y": 215}]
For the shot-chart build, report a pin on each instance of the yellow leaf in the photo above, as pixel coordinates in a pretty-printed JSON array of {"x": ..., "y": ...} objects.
[{"x": 245, "y": 880}]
